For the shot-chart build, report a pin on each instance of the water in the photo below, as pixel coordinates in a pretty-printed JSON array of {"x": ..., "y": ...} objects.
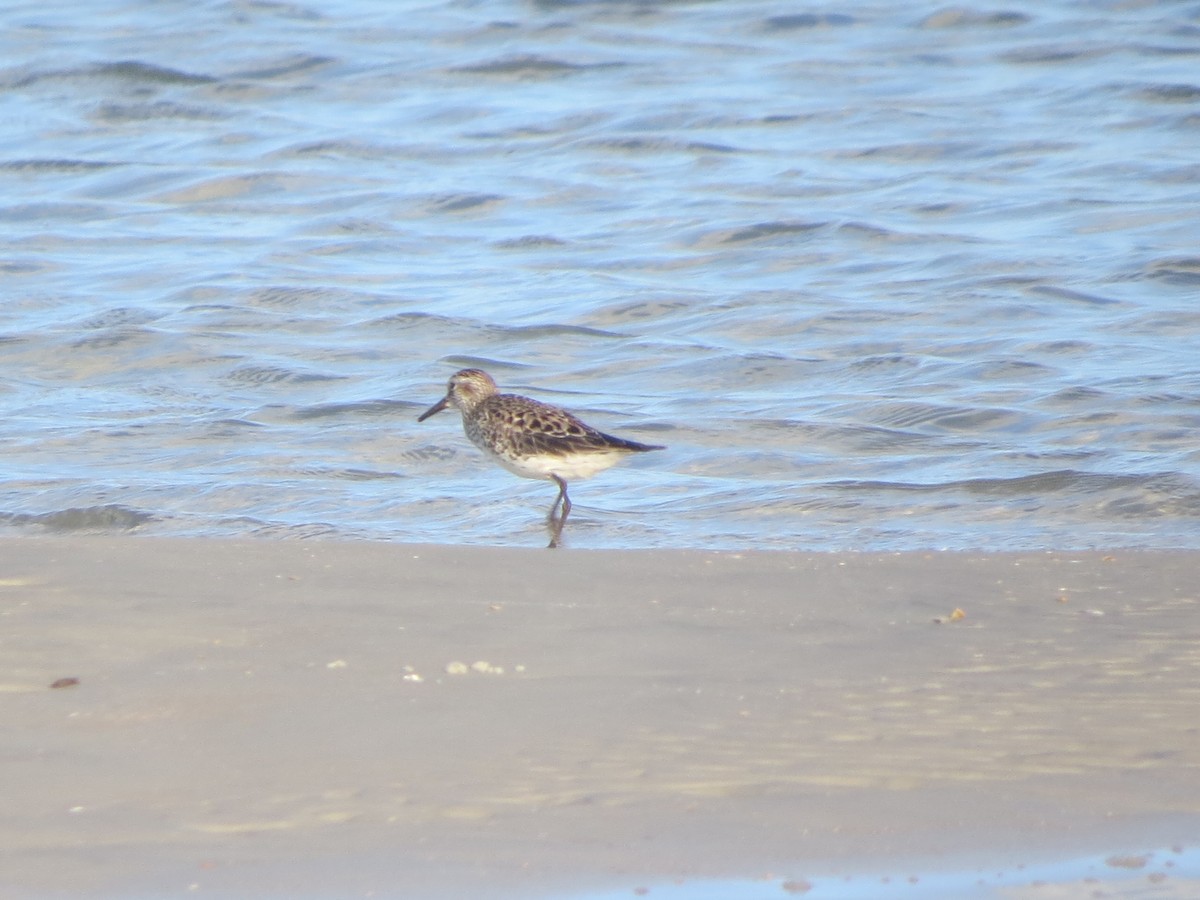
[
  {"x": 893, "y": 276},
  {"x": 1157, "y": 875}
]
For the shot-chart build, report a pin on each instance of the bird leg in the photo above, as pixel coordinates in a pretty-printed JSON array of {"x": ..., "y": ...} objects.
[{"x": 557, "y": 522}]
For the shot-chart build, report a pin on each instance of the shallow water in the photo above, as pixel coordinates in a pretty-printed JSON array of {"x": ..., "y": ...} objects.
[
  {"x": 890, "y": 277},
  {"x": 1165, "y": 874}
]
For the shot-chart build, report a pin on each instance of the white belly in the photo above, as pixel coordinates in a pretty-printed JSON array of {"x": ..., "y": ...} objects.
[{"x": 577, "y": 465}]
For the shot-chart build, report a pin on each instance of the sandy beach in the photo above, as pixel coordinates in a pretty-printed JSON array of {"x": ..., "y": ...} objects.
[{"x": 324, "y": 719}]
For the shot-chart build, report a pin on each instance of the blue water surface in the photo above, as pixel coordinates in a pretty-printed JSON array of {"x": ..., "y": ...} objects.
[{"x": 885, "y": 276}]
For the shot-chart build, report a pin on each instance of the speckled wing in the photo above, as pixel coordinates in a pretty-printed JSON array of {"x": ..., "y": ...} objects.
[{"x": 533, "y": 427}]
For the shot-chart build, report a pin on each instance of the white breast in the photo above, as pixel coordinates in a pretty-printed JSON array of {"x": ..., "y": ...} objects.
[{"x": 577, "y": 465}]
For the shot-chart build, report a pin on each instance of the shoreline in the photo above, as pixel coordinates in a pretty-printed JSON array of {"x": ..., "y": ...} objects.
[{"x": 290, "y": 719}]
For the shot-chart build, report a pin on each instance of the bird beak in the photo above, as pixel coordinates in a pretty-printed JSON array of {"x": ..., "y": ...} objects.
[{"x": 435, "y": 409}]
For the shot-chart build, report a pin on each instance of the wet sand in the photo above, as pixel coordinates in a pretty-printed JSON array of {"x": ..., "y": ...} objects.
[{"x": 322, "y": 719}]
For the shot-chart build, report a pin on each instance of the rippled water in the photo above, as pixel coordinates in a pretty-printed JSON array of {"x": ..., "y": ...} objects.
[
  {"x": 895, "y": 276},
  {"x": 1167, "y": 874}
]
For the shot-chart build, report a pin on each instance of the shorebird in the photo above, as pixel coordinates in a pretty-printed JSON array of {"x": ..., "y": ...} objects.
[{"x": 530, "y": 438}]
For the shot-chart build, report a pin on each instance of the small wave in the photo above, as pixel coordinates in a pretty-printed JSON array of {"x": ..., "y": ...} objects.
[
  {"x": 119, "y": 316},
  {"x": 350, "y": 474},
  {"x": 111, "y": 517},
  {"x": 1181, "y": 270},
  {"x": 529, "y": 242},
  {"x": 762, "y": 231},
  {"x": 118, "y": 336},
  {"x": 528, "y": 66},
  {"x": 553, "y": 330},
  {"x": 961, "y": 17},
  {"x": 1058, "y": 481},
  {"x": 797, "y": 21},
  {"x": 291, "y": 297},
  {"x": 121, "y": 70},
  {"x": 368, "y": 408},
  {"x": 1170, "y": 93},
  {"x": 120, "y": 113},
  {"x": 274, "y": 374},
  {"x": 292, "y": 66},
  {"x": 456, "y": 203},
  {"x": 637, "y": 145},
  {"x": 309, "y": 530},
  {"x": 64, "y": 166},
  {"x": 909, "y": 415},
  {"x": 235, "y": 187},
  {"x": 1056, "y": 53},
  {"x": 146, "y": 73},
  {"x": 1061, "y": 293}
]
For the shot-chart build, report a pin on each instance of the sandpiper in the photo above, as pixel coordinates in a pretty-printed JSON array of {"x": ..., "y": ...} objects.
[{"x": 530, "y": 438}]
